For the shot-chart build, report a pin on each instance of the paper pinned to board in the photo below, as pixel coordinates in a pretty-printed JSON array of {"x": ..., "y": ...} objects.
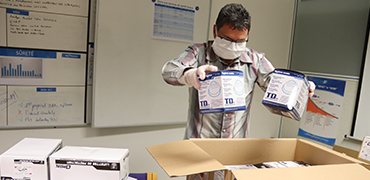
[{"x": 365, "y": 149}]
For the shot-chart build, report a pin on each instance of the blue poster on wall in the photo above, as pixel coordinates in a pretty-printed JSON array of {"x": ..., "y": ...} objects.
[{"x": 323, "y": 110}]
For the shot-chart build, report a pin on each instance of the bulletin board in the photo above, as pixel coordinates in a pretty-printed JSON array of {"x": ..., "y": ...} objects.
[
  {"x": 332, "y": 39},
  {"x": 44, "y": 47},
  {"x": 329, "y": 36},
  {"x": 133, "y": 40}
]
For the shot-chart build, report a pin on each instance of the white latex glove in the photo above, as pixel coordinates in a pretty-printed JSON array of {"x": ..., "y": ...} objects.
[
  {"x": 190, "y": 77},
  {"x": 312, "y": 87}
]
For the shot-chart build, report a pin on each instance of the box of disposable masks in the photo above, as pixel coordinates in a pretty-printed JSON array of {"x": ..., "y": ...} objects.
[
  {"x": 287, "y": 93},
  {"x": 92, "y": 163},
  {"x": 222, "y": 91},
  {"x": 28, "y": 159}
]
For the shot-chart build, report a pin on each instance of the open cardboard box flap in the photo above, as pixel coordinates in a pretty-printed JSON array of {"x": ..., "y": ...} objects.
[
  {"x": 206, "y": 155},
  {"x": 183, "y": 158}
]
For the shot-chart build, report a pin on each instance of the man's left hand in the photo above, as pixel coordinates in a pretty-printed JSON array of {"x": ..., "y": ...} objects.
[{"x": 312, "y": 87}]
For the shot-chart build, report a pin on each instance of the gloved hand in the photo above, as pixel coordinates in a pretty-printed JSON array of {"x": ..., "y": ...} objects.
[
  {"x": 312, "y": 87},
  {"x": 190, "y": 77}
]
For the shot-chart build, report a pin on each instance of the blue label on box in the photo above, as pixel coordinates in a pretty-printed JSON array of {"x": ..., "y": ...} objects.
[{"x": 220, "y": 110}]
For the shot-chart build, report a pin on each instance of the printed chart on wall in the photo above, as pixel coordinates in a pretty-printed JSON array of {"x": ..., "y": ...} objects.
[
  {"x": 43, "y": 58},
  {"x": 323, "y": 110},
  {"x": 365, "y": 149},
  {"x": 173, "y": 21}
]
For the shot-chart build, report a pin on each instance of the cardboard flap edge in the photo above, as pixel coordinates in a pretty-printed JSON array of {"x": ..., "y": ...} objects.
[{"x": 182, "y": 158}]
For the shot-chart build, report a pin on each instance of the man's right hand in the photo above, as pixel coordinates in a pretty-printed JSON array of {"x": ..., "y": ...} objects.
[{"x": 190, "y": 77}]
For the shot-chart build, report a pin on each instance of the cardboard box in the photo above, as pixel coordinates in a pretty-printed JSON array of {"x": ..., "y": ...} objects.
[
  {"x": 222, "y": 91},
  {"x": 92, "y": 163},
  {"x": 28, "y": 159},
  {"x": 195, "y": 156},
  {"x": 287, "y": 93}
]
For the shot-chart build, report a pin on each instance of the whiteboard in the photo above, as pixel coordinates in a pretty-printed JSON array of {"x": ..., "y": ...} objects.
[
  {"x": 362, "y": 121},
  {"x": 47, "y": 25},
  {"x": 2, "y": 26},
  {"x": 36, "y": 106},
  {"x": 75, "y": 7},
  {"x": 44, "y": 47},
  {"x": 128, "y": 89},
  {"x": 57, "y": 78},
  {"x": 3, "y": 105},
  {"x": 46, "y": 31}
]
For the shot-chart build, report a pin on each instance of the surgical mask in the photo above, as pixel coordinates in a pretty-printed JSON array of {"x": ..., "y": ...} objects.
[{"x": 227, "y": 49}]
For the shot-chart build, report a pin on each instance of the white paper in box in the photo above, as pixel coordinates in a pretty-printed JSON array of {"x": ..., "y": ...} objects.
[
  {"x": 222, "y": 91},
  {"x": 92, "y": 163},
  {"x": 28, "y": 159},
  {"x": 287, "y": 93}
]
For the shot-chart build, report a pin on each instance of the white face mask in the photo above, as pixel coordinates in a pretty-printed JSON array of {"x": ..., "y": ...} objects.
[{"x": 228, "y": 50}]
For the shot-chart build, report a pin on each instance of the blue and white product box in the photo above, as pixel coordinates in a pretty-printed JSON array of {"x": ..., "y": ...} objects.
[
  {"x": 92, "y": 163},
  {"x": 248, "y": 166},
  {"x": 287, "y": 93},
  {"x": 222, "y": 91},
  {"x": 28, "y": 159}
]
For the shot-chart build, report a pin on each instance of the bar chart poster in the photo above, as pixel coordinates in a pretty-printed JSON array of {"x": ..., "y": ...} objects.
[{"x": 20, "y": 70}]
